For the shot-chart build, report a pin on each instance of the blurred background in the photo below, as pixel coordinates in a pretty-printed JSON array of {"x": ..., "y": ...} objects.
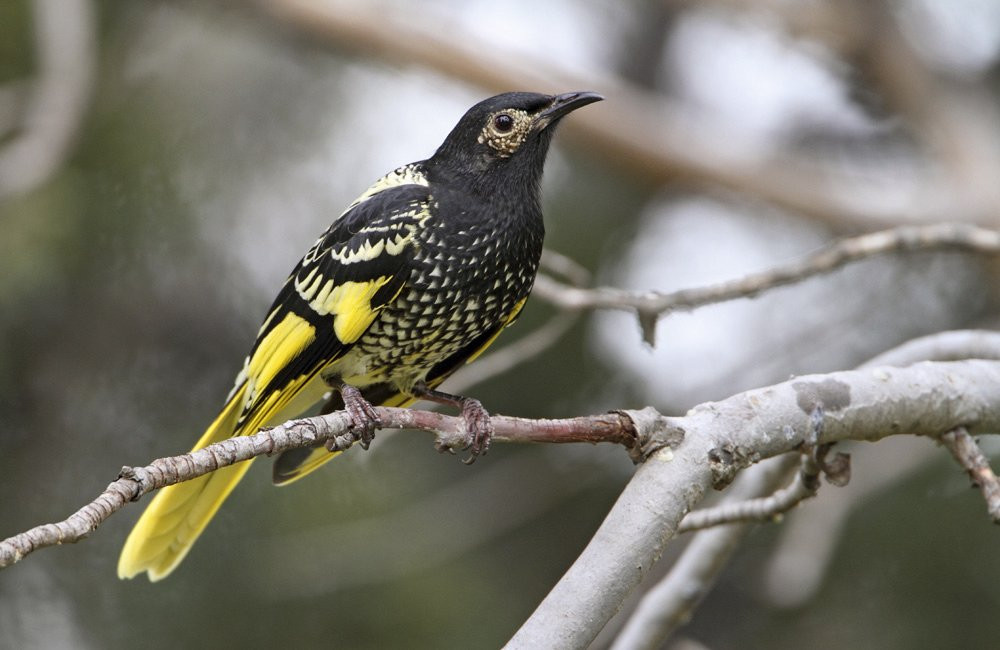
[{"x": 163, "y": 165}]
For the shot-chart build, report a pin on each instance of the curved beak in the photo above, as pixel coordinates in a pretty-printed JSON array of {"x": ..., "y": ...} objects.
[{"x": 563, "y": 104}]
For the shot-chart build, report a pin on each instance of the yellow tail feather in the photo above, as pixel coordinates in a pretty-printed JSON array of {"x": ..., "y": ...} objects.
[{"x": 179, "y": 513}]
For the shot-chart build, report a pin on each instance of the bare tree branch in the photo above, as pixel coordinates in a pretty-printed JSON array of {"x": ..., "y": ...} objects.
[
  {"x": 754, "y": 498},
  {"x": 670, "y": 603},
  {"x": 134, "y": 482},
  {"x": 722, "y": 437},
  {"x": 804, "y": 485},
  {"x": 653, "y": 305},
  {"x": 970, "y": 456},
  {"x": 684, "y": 457},
  {"x": 809, "y": 537}
]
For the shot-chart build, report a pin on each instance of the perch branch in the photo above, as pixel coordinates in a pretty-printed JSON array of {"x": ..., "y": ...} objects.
[{"x": 134, "y": 482}]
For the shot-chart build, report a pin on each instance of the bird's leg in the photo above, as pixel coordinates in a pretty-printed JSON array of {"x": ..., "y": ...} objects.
[
  {"x": 364, "y": 419},
  {"x": 478, "y": 426}
]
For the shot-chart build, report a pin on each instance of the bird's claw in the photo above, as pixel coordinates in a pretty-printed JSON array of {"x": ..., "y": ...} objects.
[
  {"x": 364, "y": 418},
  {"x": 478, "y": 429}
]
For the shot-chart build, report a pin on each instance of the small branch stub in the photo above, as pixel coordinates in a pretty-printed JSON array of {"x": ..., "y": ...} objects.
[
  {"x": 652, "y": 432},
  {"x": 725, "y": 461},
  {"x": 968, "y": 454}
]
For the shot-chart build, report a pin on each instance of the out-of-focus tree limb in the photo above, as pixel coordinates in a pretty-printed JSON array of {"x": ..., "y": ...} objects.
[
  {"x": 956, "y": 123},
  {"x": 650, "y": 306},
  {"x": 643, "y": 133},
  {"x": 533, "y": 489},
  {"x": 953, "y": 120},
  {"x": 953, "y": 345},
  {"x": 50, "y": 116}
]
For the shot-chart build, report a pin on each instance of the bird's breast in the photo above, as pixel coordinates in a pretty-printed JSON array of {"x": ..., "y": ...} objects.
[{"x": 464, "y": 283}]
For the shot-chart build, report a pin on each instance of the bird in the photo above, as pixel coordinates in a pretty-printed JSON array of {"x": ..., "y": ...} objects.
[{"x": 414, "y": 279}]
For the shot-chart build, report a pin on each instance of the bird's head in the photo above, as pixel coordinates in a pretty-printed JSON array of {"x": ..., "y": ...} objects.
[{"x": 505, "y": 138}]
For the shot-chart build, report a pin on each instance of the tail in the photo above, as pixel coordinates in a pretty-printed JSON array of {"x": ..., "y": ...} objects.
[{"x": 179, "y": 513}]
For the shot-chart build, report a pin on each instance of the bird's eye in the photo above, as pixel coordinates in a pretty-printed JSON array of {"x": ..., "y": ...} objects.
[{"x": 503, "y": 123}]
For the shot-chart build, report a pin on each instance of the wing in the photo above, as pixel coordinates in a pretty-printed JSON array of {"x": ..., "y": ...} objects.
[{"x": 331, "y": 298}]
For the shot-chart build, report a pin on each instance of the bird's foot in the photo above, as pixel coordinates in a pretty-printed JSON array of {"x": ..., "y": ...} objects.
[
  {"x": 478, "y": 426},
  {"x": 478, "y": 429},
  {"x": 364, "y": 419}
]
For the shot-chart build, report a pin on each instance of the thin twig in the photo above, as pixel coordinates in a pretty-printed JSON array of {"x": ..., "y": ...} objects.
[
  {"x": 803, "y": 486},
  {"x": 968, "y": 454},
  {"x": 134, "y": 482},
  {"x": 652, "y": 305}
]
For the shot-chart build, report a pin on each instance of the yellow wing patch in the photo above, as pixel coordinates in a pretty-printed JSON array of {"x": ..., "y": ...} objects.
[
  {"x": 351, "y": 305},
  {"x": 178, "y": 514},
  {"x": 276, "y": 350}
]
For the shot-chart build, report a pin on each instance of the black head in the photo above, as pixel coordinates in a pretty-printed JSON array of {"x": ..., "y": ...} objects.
[{"x": 503, "y": 140}]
